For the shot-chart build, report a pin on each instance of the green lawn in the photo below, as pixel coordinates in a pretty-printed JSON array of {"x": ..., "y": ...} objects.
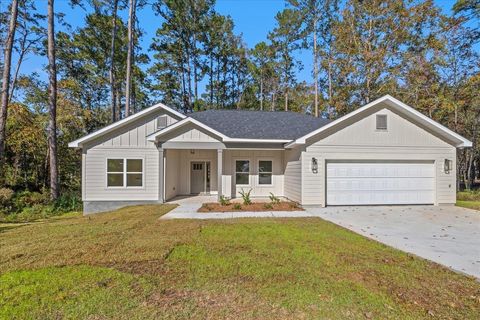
[
  {"x": 469, "y": 204},
  {"x": 130, "y": 265}
]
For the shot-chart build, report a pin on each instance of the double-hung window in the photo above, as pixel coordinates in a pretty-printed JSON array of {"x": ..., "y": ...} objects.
[
  {"x": 242, "y": 172},
  {"x": 265, "y": 172},
  {"x": 124, "y": 172}
]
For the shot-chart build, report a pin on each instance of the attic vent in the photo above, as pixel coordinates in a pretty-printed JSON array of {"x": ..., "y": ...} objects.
[
  {"x": 161, "y": 122},
  {"x": 381, "y": 122}
]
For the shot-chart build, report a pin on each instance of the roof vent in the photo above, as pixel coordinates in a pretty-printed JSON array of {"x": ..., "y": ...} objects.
[
  {"x": 161, "y": 122},
  {"x": 381, "y": 122}
]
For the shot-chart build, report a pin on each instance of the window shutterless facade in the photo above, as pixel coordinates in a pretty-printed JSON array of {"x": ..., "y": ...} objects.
[
  {"x": 265, "y": 172},
  {"x": 122, "y": 172},
  {"x": 242, "y": 172}
]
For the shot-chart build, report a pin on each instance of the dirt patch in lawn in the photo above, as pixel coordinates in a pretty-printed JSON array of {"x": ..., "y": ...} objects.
[{"x": 256, "y": 206}]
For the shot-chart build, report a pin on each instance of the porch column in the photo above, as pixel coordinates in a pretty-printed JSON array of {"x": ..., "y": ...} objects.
[
  {"x": 161, "y": 173},
  {"x": 219, "y": 171}
]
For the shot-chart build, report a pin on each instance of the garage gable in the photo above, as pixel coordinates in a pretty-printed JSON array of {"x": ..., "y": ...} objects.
[
  {"x": 394, "y": 106},
  {"x": 399, "y": 131}
]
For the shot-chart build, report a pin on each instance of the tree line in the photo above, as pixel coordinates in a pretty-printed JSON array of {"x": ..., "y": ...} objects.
[{"x": 102, "y": 71}]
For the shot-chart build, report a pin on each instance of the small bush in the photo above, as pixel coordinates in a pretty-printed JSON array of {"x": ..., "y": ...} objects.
[
  {"x": 67, "y": 203},
  {"x": 268, "y": 206},
  {"x": 246, "y": 197},
  {"x": 237, "y": 206},
  {"x": 469, "y": 195},
  {"x": 6, "y": 196},
  {"x": 274, "y": 199},
  {"x": 224, "y": 201}
]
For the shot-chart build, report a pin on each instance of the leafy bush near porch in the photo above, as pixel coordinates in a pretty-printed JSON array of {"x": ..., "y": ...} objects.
[{"x": 246, "y": 196}]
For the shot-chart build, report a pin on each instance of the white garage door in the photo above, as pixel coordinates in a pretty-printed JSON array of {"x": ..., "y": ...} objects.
[{"x": 363, "y": 183}]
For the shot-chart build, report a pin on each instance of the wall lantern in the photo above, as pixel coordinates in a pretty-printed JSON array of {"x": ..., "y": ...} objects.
[
  {"x": 314, "y": 165},
  {"x": 192, "y": 151},
  {"x": 447, "y": 166}
]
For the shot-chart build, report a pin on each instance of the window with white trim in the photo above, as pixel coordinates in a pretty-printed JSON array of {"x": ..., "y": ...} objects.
[
  {"x": 242, "y": 172},
  {"x": 124, "y": 172},
  {"x": 381, "y": 122},
  {"x": 265, "y": 172},
  {"x": 161, "y": 122}
]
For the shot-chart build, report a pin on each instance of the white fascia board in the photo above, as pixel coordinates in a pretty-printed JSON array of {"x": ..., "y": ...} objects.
[
  {"x": 394, "y": 103},
  {"x": 77, "y": 143}
]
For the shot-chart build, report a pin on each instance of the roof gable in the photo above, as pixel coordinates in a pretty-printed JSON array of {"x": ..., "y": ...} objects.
[
  {"x": 395, "y": 105},
  {"x": 125, "y": 121}
]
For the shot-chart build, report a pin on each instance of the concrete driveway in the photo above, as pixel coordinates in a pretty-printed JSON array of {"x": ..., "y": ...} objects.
[{"x": 447, "y": 235}]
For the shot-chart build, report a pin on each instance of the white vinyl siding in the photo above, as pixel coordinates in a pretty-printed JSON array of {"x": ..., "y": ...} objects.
[
  {"x": 403, "y": 141},
  {"x": 293, "y": 175},
  {"x": 258, "y": 190},
  {"x": 95, "y": 180},
  {"x": 127, "y": 142}
]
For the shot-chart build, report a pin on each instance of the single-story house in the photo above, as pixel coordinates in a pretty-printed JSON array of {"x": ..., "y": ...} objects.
[{"x": 384, "y": 153}]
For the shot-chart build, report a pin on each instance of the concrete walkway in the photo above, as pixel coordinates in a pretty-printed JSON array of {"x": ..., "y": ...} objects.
[
  {"x": 447, "y": 235},
  {"x": 188, "y": 206}
]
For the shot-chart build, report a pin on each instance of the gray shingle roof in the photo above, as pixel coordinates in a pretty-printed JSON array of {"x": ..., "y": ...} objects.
[{"x": 259, "y": 124}]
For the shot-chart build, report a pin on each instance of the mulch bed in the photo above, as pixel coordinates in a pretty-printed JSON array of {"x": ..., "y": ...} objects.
[{"x": 256, "y": 206}]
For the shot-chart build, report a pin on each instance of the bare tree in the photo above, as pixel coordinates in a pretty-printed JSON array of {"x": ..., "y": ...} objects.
[
  {"x": 128, "y": 85},
  {"x": 112, "y": 61},
  {"x": 6, "y": 84},
  {"x": 52, "y": 104}
]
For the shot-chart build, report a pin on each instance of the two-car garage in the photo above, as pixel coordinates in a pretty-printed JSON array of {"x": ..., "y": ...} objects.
[{"x": 380, "y": 182}]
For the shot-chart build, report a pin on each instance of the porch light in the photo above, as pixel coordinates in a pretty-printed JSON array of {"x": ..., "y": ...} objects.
[
  {"x": 447, "y": 166},
  {"x": 314, "y": 165},
  {"x": 192, "y": 151}
]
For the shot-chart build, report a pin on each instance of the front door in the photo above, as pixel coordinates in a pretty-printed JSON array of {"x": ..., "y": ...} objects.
[{"x": 200, "y": 177}]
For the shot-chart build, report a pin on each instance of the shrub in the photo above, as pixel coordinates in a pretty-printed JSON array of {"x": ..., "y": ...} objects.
[
  {"x": 6, "y": 196},
  {"x": 237, "y": 206},
  {"x": 246, "y": 197},
  {"x": 26, "y": 199},
  {"x": 224, "y": 201},
  {"x": 268, "y": 206},
  {"x": 67, "y": 203},
  {"x": 469, "y": 195},
  {"x": 274, "y": 199}
]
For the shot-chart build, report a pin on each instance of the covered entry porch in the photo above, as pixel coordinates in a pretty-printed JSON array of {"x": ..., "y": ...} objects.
[{"x": 189, "y": 172}]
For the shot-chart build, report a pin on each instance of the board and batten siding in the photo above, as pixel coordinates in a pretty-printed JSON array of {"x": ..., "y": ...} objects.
[
  {"x": 402, "y": 141},
  {"x": 127, "y": 142}
]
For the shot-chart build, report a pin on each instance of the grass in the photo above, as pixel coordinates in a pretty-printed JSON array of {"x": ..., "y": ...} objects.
[
  {"x": 469, "y": 204},
  {"x": 129, "y": 265},
  {"x": 469, "y": 199}
]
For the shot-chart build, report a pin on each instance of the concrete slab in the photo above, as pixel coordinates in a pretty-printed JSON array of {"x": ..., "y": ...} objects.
[{"x": 446, "y": 235}]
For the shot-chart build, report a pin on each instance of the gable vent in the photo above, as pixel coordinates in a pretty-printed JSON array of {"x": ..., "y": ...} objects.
[
  {"x": 161, "y": 122},
  {"x": 381, "y": 122}
]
